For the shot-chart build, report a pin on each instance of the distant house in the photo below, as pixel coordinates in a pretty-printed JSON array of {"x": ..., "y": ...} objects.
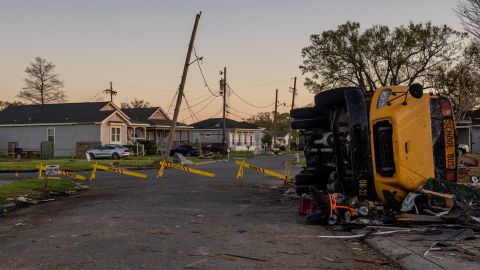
[
  {"x": 280, "y": 137},
  {"x": 158, "y": 125},
  {"x": 70, "y": 128},
  {"x": 241, "y": 136},
  {"x": 468, "y": 130}
]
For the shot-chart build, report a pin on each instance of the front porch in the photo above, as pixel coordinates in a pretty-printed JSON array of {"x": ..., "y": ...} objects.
[
  {"x": 243, "y": 141},
  {"x": 135, "y": 133}
]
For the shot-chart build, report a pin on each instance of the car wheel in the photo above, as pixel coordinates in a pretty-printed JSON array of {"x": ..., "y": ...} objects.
[
  {"x": 115, "y": 156},
  {"x": 19, "y": 156},
  {"x": 92, "y": 156}
]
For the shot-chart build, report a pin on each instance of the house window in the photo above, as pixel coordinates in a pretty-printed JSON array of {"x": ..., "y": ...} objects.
[
  {"x": 151, "y": 136},
  {"x": 115, "y": 131},
  {"x": 207, "y": 135},
  {"x": 51, "y": 135},
  {"x": 196, "y": 137}
]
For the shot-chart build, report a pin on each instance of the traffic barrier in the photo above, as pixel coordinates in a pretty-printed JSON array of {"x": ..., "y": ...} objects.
[
  {"x": 165, "y": 163},
  {"x": 115, "y": 170},
  {"x": 61, "y": 172},
  {"x": 284, "y": 177}
]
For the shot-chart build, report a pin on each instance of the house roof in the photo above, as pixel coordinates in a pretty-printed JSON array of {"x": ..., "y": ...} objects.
[
  {"x": 216, "y": 123},
  {"x": 142, "y": 115},
  {"x": 85, "y": 112}
]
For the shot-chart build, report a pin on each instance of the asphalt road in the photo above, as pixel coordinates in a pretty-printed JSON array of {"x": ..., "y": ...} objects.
[{"x": 182, "y": 221}]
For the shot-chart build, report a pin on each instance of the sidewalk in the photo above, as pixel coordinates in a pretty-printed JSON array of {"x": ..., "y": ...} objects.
[{"x": 408, "y": 250}]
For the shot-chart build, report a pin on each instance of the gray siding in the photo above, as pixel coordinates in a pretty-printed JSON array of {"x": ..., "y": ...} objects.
[
  {"x": 66, "y": 136},
  {"x": 475, "y": 139}
]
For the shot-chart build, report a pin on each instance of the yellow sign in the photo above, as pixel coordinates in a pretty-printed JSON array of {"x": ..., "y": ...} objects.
[
  {"x": 284, "y": 177},
  {"x": 165, "y": 163},
  {"x": 115, "y": 170},
  {"x": 450, "y": 149},
  {"x": 61, "y": 172}
]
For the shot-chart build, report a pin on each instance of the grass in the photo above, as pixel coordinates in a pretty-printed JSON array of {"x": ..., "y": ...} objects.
[
  {"x": 68, "y": 164},
  {"x": 33, "y": 188},
  {"x": 75, "y": 164},
  {"x": 301, "y": 162}
]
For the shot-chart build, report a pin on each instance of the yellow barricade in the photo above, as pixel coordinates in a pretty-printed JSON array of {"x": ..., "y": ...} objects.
[
  {"x": 165, "y": 163},
  {"x": 61, "y": 172},
  {"x": 284, "y": 177},
  {"x": 115, "y": 170}
]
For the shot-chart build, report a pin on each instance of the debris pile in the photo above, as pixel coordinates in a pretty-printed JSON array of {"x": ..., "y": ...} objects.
[
  {"x": 437, "y": 201},
  {"x": 444, "y": 214}
]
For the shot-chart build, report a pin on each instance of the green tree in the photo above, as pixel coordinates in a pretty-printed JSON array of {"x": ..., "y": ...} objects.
[
  {"x": 378, "y": 56},
  {"x": 265, "y": 119},
  {"x": 42, "y": 84}
]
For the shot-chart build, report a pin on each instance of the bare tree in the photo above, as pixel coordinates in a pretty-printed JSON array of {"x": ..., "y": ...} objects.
[
  {"x": 136, "y": 103},
  {"x": 459, "y": 81},
  {"x": 42, "y": 85},
  {"x": 469, "y": 13}
]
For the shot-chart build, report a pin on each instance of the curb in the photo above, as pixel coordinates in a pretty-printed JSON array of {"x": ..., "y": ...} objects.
[{"x": 401, "y": 255}]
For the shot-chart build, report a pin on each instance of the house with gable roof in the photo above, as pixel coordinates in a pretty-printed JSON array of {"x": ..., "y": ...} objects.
[{"x": 66, "y": 126}]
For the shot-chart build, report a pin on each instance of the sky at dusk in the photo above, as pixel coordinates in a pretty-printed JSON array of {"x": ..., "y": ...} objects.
[{"x": 141, "y": 45}]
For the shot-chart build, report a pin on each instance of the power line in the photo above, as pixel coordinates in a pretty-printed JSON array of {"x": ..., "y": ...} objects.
[
  {"x": 171, "y": 102},
  {"x": 95, "y": 97},
  {"x": 241, "y": 117},
  {"x": 201, "y": 72},
  {"x": 143, "y": 88},
  {"x": 249, "y": 114},
  {"x": 203, "y": 108},
  {"x": 218, "y": 112},
  {"x": 198, "y": 103},
  {"x": 255, "y": 106},
  {"x": 264, "y": 84},
  {"x": 192, "y": 114},
  {"x": 150, "y": 89}
]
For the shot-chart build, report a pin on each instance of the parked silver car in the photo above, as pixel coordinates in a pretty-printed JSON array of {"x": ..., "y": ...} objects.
[{"x": 109, "y": 151}]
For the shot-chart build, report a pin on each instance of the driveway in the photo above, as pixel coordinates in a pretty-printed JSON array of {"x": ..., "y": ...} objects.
[{"x": 183, "y": 221}]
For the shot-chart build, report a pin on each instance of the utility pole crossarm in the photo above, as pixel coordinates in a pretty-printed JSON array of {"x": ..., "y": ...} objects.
[{"x": 111, "y": 92}]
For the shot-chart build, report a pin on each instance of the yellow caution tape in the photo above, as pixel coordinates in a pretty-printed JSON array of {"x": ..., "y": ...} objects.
[
  {"x": 61, "y": 172},
  {"x": 115, "y": 170},
  {"x": 165, "y": 163},
  {"x": 284, "y": 177}
]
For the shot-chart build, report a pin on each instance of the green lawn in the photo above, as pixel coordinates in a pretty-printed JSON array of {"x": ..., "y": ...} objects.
[
  {"x": 8, "y": 165},
  {"x": 33, "y": 188},
  {"x": 75, "y": 164}
]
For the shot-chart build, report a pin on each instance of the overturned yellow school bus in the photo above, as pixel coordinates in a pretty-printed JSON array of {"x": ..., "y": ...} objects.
[{"x": 376, "y": 147}]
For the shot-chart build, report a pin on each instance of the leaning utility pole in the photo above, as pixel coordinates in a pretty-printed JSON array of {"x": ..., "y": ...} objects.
[
  {"x": 111, "y": 92},
  {"x": 224, "y": 139},
  {"x": 182, "y": 86},
  {"x": 275, "y": 117},
  {"x": 294, "y": 91}
]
